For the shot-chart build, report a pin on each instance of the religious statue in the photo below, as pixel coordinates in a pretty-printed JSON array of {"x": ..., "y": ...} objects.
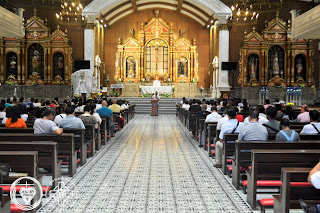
[
  {"x": 35, "y": 62},
  {"x": 183, "y": 68},
  {"x": 82, "y": 86},
  {"x": 130, "y": 67},
  {"x": 253, "y": 68},
  {"x": 60, "y": 66},
  {"x": 13, "y": 65},
  {"x": 276, "y": 69},
  {"x": 299, "y": 68}
]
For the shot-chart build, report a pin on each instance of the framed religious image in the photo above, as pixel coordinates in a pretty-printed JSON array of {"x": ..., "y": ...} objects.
[
  {"x": 58, "y": 65},
  {"x": 131, "y": 67},
  {"x": 276, "y": 62},
  {"x": 183, "y": 67},
  {"x": 12, "y": 64},
  {"x": 253, "y": 67},
  {"x": 36, "y": 60},
  {"x": 300, "y": 68}
]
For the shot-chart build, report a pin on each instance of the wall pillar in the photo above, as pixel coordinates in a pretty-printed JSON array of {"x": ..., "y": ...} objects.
[
  {"x": 223, "y": 78},
  {"x": 89, "y": 44}
]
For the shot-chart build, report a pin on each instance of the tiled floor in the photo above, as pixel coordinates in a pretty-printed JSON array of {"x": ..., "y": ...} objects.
[{"x": 152, "y": 165}]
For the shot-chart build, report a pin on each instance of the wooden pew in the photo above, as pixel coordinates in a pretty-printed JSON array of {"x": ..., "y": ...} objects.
[
  {"x": 199, "y": 128},
  {"x": 66, "y": 147},
  {"x": 267, "y": 164},
  {"x": 47, "y": 155},
  {"x": 295, "y": 187},
  {"x": 211, "y": 135},
  {"x": 242, "y": 155},
  {"x": 105, "y": 129},
  {"x": 229, "y": 148},
  {"x": 4, "y": 201},
  {"x": 21, "y": 162},
  {"x": 205, "y": 135},
  {"x": 79, "y": 139},
  {"x": 90, "y": 137}
]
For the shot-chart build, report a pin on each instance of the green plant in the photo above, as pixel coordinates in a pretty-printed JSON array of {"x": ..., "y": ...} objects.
[
  {"x": 116, "y": 93},
  {"x": 302, "y": 85},
  {"x": 10, "y": 83},
  {"x": 33, "y": 83},
  {"x": 183, "y": 81},
  {"x": 131, "y": 81}
]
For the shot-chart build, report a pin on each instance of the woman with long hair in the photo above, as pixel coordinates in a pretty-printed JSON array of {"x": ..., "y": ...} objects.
[{"x": 13, "y": 118}]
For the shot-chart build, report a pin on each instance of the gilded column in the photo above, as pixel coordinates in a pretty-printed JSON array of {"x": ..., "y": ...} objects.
[
  {"x": 50, "y": 66},
  {"x": 292, "y": 67},
  {"x": 45, "y": 65},
  {"x": 309, "y": 74},
  {"x": 24, "y": 65},
  {"x": 20, "y": 56},
  {"x": 288, "y": 74}
]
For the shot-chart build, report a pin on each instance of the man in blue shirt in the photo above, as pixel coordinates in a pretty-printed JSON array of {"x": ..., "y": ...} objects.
[
  {"x": 70, "y": 121},
  {"x": 104, "y": 111}
]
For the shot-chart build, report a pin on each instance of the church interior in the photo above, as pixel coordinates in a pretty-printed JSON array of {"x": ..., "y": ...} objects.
[{"x": 159, "y": 106}]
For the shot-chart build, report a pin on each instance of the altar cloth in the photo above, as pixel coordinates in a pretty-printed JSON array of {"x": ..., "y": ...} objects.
[{"x": 153, "y": 89}]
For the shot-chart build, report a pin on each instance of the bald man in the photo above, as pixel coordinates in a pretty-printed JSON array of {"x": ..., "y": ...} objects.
[{"x": 104, "y": 111}]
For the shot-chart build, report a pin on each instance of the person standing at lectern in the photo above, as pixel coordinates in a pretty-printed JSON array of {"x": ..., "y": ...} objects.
[{"x": 155, "y": 96}]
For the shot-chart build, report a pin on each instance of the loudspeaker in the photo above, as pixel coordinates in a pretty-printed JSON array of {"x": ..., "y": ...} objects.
[
  {"x": 229, "y": 66},
  {"x": 81, "y": 64}
]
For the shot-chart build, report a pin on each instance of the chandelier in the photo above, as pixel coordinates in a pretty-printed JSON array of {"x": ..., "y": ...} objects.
[
  {"x": 71, "y": 13},
  {"x": 243, "y": 13},
  {"x": 246, "y": 12}
]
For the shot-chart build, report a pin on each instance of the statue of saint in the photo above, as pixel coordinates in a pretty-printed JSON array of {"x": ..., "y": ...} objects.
[
  {"x": 299, "y": 68},
  {"x": 82, "y": 86},
  {"x": 253, "y": 68},
  {"x": 131, "y": 71},
  {"x": 276, "y": 69},
  {"x": 13, "y": 65},
  {"x": 35, "y": 62},
  {"x": 60, "y": 66}
]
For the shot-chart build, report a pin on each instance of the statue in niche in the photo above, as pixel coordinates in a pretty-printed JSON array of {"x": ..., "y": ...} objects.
[
  {"x": 13, "y": 65},
  {"x": 35, "y": 62},
  {"x": 276, "y": 69},
  {"x": 131, "y": 67},
  {"x": 253, "y": 68},
  {"x": 299, "y": 68},
  {"x": 82, "y": 86},
  {"x": 60, "y": 66},
  {"x": 183, "y": 68}
]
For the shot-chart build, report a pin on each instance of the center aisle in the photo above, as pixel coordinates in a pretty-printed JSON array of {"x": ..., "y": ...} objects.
[{"x": 152, "y": 165}]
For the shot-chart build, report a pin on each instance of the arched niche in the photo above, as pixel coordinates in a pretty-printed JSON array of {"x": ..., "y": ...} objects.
[
  {"x": 12, "y": 65},
  {"x": 157, "y": 55},
  {"x": 300, "y": 65},
  {"x": 36, "y": 60},
  {"x": 58, "y": 65},
  {"x": 183, "y": 67},
  {"x": 253, "y": 67},
  {"x": 276, "y": 61},
  {"x": 131, "y": 65}
]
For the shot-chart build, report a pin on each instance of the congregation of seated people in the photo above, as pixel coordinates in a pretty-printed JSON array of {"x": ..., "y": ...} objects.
[
  {"x": 269, "y": 123},
  {"x": 73, "y": 129}
]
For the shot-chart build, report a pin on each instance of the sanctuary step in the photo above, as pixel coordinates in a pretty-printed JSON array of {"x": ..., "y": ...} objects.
[{"x": 143, "y": 105}]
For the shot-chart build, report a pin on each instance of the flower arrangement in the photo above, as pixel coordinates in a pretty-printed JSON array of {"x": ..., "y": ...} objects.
[
  {"x": 183, "y": 81},
  {"x": 33, "y": 83},
  {"x": 302, "y": 85},
  {"x": 254, "y": 85},
  {"x": 193, "y": 80},
  {"x": 119, "y": 80},
  {"x": 290, "y": 104},
  {"x": 140, "y": 86},
  {"x": 279, "y": 86},
  {"x": 76, "y": 95},
  {"x": 58, "y": 83},
  {"x": 131, "y": 81},
  {"x": 116, "y": 93},
  {"x": 10, "y": 83},
  {"x": 143, "y": 80},
  {"x": 173, "y": 88}
]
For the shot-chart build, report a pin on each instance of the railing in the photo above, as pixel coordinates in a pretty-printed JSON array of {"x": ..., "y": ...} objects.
[{"x": 308, "y": 6}]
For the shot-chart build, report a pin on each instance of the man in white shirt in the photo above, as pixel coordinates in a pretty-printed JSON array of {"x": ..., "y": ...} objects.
[
  {"x": 2, "y": 111},
  {"x": 155, "y": 96},
  {"x": 214, "y": 116},
  {"x": 314, "y": 127},
  {"x": 185, "y": 105},
  {"x": 232, "y": 126},
  {"x": 222, "y": 121}
]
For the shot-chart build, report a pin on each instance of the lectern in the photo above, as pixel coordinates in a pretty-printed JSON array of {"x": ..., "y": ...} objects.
[{"x": 154, "y": 104}]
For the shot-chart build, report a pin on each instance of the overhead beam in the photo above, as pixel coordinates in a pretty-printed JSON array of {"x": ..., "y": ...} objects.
[
  {"x": 134, "y": 5},
  {"x": 179, "y": 5}
]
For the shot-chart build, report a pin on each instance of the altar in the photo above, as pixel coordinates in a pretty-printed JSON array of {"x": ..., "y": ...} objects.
[{"x": 162, "y": 90}]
